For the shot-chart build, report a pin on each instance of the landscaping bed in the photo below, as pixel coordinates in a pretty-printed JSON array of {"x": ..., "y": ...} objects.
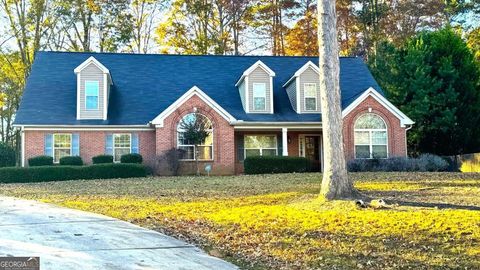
[{"x": 277, "y": 222}]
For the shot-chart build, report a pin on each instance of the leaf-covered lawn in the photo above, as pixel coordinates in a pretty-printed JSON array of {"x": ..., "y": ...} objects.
[{"x": 277, "y": 222}]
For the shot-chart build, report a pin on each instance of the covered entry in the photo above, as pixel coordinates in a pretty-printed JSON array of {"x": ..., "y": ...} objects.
[
  {"x": 303, "y": 141},
  {"x": 310, "y": 147}
]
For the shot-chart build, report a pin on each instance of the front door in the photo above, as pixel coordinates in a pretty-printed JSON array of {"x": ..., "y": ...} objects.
[{"x": 312, "y": 151}]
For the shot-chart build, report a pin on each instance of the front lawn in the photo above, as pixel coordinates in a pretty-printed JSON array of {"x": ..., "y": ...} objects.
[{"x": 276, "y": 222}]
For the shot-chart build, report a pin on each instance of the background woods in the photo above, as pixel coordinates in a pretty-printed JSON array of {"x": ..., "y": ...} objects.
[{"x": 386, "y": 33}]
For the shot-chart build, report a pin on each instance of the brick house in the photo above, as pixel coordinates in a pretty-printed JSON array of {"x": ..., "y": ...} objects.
[{"x": 89, "y": 104}]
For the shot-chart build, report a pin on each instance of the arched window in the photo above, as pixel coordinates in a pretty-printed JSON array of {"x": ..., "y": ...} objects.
[
  {"x": 370, "y": 137},
  {"x": 205, "y": 150}
]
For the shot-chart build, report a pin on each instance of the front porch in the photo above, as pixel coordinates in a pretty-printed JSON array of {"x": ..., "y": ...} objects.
[{"x": 281, "y": 141}]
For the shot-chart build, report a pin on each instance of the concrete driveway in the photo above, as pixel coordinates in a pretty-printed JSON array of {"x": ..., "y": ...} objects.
[{"x": 70, "y": 239}]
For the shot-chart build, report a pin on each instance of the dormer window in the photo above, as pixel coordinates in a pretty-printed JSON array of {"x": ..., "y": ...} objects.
[
  {"x": 259, "y": 96},
  {"x": 303, "y": 89},
  {"x": 91, "y": 95},
  {"x": 255, "y": 87},
  {"x": 93, "y": 89},
  {"x": 310, "y": 96}
]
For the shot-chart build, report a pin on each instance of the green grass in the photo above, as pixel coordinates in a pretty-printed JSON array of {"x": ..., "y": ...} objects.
[{"x": 277, "y": 222}]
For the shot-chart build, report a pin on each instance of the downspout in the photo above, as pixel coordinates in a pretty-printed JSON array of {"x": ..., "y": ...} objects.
[
  {"x": 406, "y": 146},
  {"x": 22, "y": 135}
]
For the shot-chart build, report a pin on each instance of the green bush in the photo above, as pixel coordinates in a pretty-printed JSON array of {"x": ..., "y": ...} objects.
[
  {"x": 101, "y": 159},
  {"x": 72, "y": 161},
  {"x": 61, "y": 173},
  {"x": 40, "y": 161},
  {"x": 275, "y": 164},
  {"x": 424, "y": 163},
  {"x": 131, "y": 158},
  {"x": 7, "y": 155}
]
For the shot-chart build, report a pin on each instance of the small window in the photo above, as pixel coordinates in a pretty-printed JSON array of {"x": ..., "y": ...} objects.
[
  {"x": 62, "y": 146},
  {"x": 370, "y": 137},
  {"x": 259, "y": 97},
  {"x": 310, "y": 96},
  {"x": 91, "y": 95},
  {"x": 121, "y": 145},
  {"x": 260, "y": 145}
]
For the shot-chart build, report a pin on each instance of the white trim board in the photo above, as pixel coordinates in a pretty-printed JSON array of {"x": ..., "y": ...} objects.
[
  {"x": 158, "y": 121},
  {"x": 91, "y": 60},
  {"x": 371, "y": 92},
  {"x": 299, "y": 72},
  {"x": 252, "y": 68}
]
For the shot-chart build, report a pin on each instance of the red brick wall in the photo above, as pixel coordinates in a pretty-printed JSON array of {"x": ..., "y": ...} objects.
[
  {"x": 92, "y": 143},
  {"x": 223, "y": 138},
  {"x": 154, "y": 143},
  {"x": 396, "y": 133}
]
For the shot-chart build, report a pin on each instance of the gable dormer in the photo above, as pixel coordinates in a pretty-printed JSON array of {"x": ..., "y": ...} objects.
[
  {"x": 93, "y": 89},
  {"x": 303, "y": 89},
  {"x": 256, "y": 88}
]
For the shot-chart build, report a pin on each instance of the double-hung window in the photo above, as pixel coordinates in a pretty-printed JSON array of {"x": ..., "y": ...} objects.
[
  {"x": 122, "y": 145},
  {"x": 91, "y": 95},
  {"x": 259, "y": 97},
  {"x": 370, "y": 137},
  {"x": 310, "y": 96},
  {"x": 62, "y": 146},
  {"x": 260, "y": 145}
]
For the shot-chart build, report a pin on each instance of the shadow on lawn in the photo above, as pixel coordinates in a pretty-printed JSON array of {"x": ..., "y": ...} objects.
[
  {"x": 433, "y": 205},
  {"x": 388, "y": 252}
]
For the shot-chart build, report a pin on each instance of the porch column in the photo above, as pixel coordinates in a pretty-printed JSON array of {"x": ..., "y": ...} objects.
[{"x": 284, "y": 142}]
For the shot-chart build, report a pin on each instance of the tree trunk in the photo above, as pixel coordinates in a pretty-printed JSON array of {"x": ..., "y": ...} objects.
[{"x": 335, "y": 183}]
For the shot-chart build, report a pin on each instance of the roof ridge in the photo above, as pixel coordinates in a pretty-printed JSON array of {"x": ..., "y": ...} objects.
[{"x": 190, "y": 55}]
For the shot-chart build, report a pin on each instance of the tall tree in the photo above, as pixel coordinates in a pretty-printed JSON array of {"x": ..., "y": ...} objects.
[
  {"x": 270, "y": 22},
  {"x": 114, "y": 25},
  {"x": 302, "y": 38},
  {"x": 405, "y": 18},
  {"x": 77, "y": 22},
  {"x": 473, "y": 42},
  {"x": 144, "y": 14},
  {"x": 335, "y": 183},
  {"x": 27, "y": 20},
  {"x": 370, "y": 14},
  {"x": 186, "y": 29},
  {"x": 435, "y": 80},
  {"x": 203, "y": 27},
  {"x": 347, "y": 27}
]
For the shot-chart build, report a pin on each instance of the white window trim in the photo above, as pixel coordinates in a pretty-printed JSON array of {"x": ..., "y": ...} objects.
[
  {"x": 261, "y": 149},
  {"x": 98, "y": 95},
  {"x": 113, "y": 144},
  {"x": 194, "y": 148},
  {"x": 370, "y": 143},
  {"x": 305, "y": 97},
  {"x": 53, "y": 145},
  {"x": 264, "y": 97}
]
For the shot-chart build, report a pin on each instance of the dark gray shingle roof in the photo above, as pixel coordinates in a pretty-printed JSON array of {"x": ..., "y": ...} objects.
[{"x": 145, "y": 85}]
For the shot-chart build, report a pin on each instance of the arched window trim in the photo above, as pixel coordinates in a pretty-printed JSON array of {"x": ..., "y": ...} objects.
[
  {"x": 370, "y": 133},
  {"x": 180, "y": 145}
]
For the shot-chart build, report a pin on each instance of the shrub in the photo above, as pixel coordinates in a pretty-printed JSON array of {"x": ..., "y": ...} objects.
[
  {"x": 424, "y": 163},
  {"x": 432, "y": 163},
  {"x": 169, "y": 162},
  {"x": 7, "y": 155},
  {"x": 72, "y": 161},
  {"x": 275, "y": 164},
  {"x": 40, "y": 161},
  {"x": 101, "y": 159},
  {"x": 131, "y": 158},
  {"x": 61, "y": 173}
]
